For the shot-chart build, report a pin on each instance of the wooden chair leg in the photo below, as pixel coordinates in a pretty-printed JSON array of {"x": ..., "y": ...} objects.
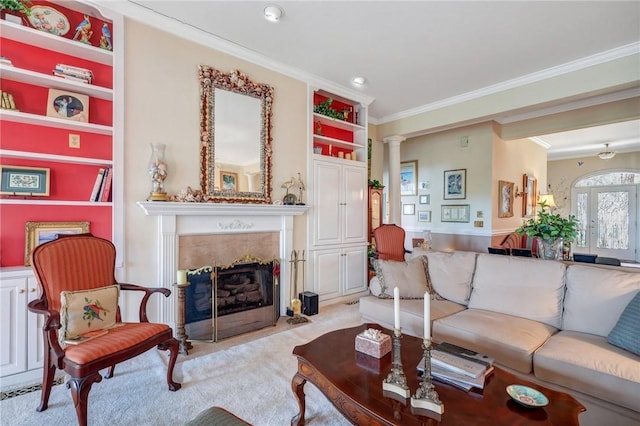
[
  {"x": 173, "y": 347},
  {"x": 80, "y": 388},
  {"x": 47, "y": 383}
]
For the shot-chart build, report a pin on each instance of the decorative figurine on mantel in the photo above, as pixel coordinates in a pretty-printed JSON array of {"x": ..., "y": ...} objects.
[
  {"x": 158, "y": 171},
  {"x": 105, "y": 39},
  {"x": 83, "y": 31},
  {"x": 289, "y": 199},
  {"x": 301, "y": 188}
]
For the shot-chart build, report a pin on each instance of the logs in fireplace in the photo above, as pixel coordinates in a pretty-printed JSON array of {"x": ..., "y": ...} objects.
[{"x": 245, "y": 294}]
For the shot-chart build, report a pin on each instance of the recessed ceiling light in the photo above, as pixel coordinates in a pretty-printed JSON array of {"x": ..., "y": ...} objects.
[
  {"x": 358, "y": 81},
  {"x": 273, "y": 13}
]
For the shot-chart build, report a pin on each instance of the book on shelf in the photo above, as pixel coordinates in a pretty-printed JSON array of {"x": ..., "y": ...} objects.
[
  {"x": 96, "y": 185},
  {"x": 105, "y": 188},
  {"x": 74, "y": 70},
  {"x": 86, "y": 80}
]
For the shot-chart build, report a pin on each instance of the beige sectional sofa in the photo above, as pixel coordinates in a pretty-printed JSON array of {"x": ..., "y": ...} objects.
[{"x": 546, "y": 321}]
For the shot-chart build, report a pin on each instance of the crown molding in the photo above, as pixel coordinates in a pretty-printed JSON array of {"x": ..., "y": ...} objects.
[
  {"x": 589, "y": 61},
  {"x": 186, "y": 31}
]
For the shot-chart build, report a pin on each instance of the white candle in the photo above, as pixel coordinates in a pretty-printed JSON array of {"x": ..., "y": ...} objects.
[
  {"x": 427, "y": 316},
  {"x": 396, "y": 308},
  {"x": 182, "y": 276}
]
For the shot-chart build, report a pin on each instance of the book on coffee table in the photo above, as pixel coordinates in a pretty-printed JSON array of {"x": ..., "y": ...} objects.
[
  {"x": 459, "y": 380},
  {"x": 464, "y": 353}
]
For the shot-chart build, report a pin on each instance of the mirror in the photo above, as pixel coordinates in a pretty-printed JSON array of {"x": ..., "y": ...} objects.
[{"x": 235, "y": 137}]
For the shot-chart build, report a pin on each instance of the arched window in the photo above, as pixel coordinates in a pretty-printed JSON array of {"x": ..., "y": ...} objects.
[{"x": 609, "y": 178}]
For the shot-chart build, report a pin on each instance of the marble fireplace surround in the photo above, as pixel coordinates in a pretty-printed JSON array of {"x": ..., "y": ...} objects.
[{"x": 175, "y": 219}]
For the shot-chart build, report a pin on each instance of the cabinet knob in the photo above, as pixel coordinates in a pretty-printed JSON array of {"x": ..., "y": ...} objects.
[
  {"x": 32, "y": 290},
  {"x": 21, "y": 291}
]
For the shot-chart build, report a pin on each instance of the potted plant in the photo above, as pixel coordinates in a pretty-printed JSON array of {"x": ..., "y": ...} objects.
[
  {"x": 18, "y": 6},
  {"x": 552, "y": 230}
]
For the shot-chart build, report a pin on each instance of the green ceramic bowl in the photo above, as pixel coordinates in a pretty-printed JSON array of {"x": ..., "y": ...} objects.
[{"x": 527, "y": 396}]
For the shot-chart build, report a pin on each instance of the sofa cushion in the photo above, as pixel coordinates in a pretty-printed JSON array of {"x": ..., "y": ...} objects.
[
  {"x": 450, "y": 274},
  {"x": 626, "y": 332},
  {"x": 596, "y": 297},
  {"x": 410, "y": 277},
  {"x": 524, "y": 287},
  {"x": 510, "y": 340},
  {"x": 380, "y": 311},
  {"x": 587, "y": 363}
]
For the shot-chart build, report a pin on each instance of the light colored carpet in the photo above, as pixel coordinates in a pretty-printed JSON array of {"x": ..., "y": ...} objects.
[{"x": 249, "y": 375}]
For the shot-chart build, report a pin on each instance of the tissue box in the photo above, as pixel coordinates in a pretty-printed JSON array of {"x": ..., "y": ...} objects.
[{"x": 374, "y": 348}]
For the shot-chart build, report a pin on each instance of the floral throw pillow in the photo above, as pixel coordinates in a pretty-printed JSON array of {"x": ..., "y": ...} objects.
[{"x": 86, "y": 311}]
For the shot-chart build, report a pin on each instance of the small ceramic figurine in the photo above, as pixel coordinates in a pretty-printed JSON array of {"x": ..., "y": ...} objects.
[
  {"x": 105, "y": 40},
  {"x": 83, "y": 31}
]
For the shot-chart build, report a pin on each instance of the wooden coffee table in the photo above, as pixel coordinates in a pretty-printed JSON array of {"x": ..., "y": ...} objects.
[{"x": 352, "y": 381}]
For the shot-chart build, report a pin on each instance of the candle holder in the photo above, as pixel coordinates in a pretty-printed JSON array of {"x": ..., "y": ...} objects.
[
  {"x": 426, "y": 397},
  {"x": 181, "y": 334},
  {"x": 396, "y": 381}
]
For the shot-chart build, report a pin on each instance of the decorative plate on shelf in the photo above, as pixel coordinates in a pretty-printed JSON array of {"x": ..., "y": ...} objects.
[
  {"x": 527, "y": 396},
  {"x": 49, "y": 20}
]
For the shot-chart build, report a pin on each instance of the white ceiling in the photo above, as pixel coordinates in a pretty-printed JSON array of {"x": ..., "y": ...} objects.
[{"x": 420, "y": 53}]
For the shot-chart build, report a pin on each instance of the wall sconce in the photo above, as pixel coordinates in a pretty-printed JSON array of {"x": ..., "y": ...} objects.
[{"x": 518, "y": 193}]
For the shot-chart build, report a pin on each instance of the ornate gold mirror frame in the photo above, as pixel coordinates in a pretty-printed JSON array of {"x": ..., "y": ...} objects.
[{"x": 222, "y": 182}]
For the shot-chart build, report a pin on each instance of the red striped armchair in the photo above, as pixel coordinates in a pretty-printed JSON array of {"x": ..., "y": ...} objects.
[
  {"x": 515, "y": 240},
  {"x": 66, "y": 266}
]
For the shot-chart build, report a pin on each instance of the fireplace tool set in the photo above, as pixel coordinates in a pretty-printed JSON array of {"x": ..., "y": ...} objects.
[{"x": 296, "y": 303}]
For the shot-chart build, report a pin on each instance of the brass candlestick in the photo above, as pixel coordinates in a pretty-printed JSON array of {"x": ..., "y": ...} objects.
[
  {"x": 426, "y": 396},
  {"x": 396, "y": 381}
]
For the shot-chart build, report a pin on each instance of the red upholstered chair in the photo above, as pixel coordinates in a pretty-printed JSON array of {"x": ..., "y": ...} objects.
[
  {"x": 85, "y": 262},
  {"x": 517, "y": 241},
  {"x": 390, "y": 242}
]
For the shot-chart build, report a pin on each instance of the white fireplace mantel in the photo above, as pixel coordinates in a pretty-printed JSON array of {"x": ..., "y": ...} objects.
[{"x": 183, "y": 218}]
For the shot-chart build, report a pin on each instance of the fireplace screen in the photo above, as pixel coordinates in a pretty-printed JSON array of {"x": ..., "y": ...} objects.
[{"x": 228, "y": 300}]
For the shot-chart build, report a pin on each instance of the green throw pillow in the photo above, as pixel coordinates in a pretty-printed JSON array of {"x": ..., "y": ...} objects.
[{"x": 626, "y": 333}]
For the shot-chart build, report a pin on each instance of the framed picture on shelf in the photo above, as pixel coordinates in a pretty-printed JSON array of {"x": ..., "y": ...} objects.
[
  {"x": 505, "y": 198},
  {"x": 68, "y": 105},
  {"x": 455, "y": 184},
  {"x": 408, "y": 177},
  {"x": 425, "y": 199},
  {"x": 42, "y": 232},
  {"x": 424, "y": 216},
  {"x": 530, "y": 190},
  {"x": 455, "y": 213},
  {"x": 229, "y": 181},
  {"x": 29, "y": 181},
  {"x": 408, "y": 209}
]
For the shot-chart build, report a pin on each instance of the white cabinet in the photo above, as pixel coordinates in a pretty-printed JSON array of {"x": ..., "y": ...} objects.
[
  {"x": 339, "y": 271},
  {"x": 338, "y": 195},
  {"x": 339, "y": 203},
  {"x": 21, "y": 344}
]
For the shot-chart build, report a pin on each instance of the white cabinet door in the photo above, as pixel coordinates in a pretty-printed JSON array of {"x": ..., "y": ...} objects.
[
  {"x": 326, "y": 266},
  {"x": 355, "y": 270},
  {"x": 327, "y": 203},
  {"x": 35, "y": 341},
  {"x": 13, "y": 317},
  {"x": 355, "y": 204}
]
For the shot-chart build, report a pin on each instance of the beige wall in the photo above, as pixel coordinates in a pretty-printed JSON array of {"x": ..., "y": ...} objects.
[
  {"x": 562, "y": 174},
  {"x": 162, "y": 106}
]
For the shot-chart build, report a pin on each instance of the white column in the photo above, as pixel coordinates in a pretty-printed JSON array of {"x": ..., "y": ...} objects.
[{"x": 394, "y": 178}]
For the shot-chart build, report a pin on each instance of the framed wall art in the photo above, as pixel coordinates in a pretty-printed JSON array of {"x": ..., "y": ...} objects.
[
  {"x": 455, "y": 213},
  {"x": 505, "y": 198},
  {"x": 68, "y": 105},
  {"x": 409, "y": 209},
  {"x": 424, "y": 216},
  {"x": 530, "y": 191},
  {"x": 19, "y": 180},
  {"x": 37, "y": 233},
  {"x": 408, "y": 178},
  {"x": 229, "y": 181},
  {"x": 425, "y": 199},
  {"x": 455, "y": 184}
]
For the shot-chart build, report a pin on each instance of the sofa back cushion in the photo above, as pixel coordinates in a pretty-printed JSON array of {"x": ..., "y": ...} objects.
[
  {"x": 450, "y": 274},
  {"x": 596, "y": 298},
  {"x": 410, "y": 277},
  {"x": 523, "y": 287}
]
